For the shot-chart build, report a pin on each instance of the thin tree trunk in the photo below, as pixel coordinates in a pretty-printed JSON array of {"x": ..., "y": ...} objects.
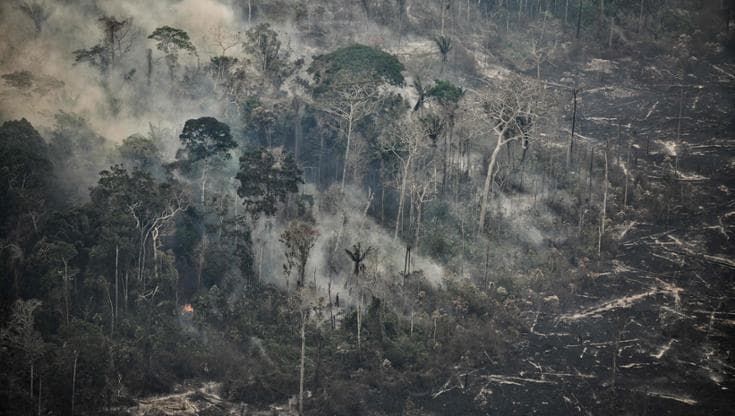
[
  {"x": 202, "y": 250},
  {"x": 359, "y": 320},
  {"x": 149, "y": 61},
  {"x": 347, "y": 150},
  {"x": 204, "y": 178},
  {"x": 66, "y": 291},
  {"x": 444, "y": 167},
  {"x": 489, "y": 179},
  {"x": 250, "y": 12},
  {"x": 589, "y": 176},
  {"x": 678, "y": 131},
  {"x": 604, "y": 208},
  {"x": 615, "y": 358},
  {"x": 331, "y": 310},
  {"x": 402, "y": 197},
  {"x": 627, "y": 174},
  {"x": 579, "y": 18},
  {"x": 574, "y": 125},
  {"x": 442, "y": 6},
  {"x": 301, "y": 365},
  {"x": 298, "y": 128},
  {"x": 610, "y": 37},
  {"x": 117, "y": 255},
  {"x": 74, "y": 382},
  {"x": 125, "y": 294},
  {"x": 418, "y": 226}
]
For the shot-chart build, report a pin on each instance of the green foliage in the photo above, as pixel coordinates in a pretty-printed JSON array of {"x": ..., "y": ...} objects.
[
  {"x": 263, "y": 43},
  {"x": 377, "y": 65},
  {"x": 445, "y": 92},
  {"x": 171, "y": 40},
  {"x": 96, "y": 56},
  {"x": 444, "y": 43},
  {"x": 265, "y": 180},
  {"x": 298, "y": 238},
  {"x": 139, "y": 153},
  {"x": 204, "y": 138},
  {"x": 25, "y": 171},
  {"x": 221, "y": 66}
]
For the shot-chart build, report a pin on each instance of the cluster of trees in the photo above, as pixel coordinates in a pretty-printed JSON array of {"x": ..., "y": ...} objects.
[
  {"x": 107, "y": 278},
  {"x": 102, "y": 245}
]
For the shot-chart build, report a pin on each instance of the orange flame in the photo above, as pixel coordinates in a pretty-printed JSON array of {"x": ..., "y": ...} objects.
[{"x": 187, "y": 308}]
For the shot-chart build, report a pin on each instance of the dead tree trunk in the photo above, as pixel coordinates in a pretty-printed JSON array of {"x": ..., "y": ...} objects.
[
  {"x": 401, "y": 198},
  {"x": 74, "y": 382},
  {"x": 604, "y": 208},
  {"x": 301, "y": 365},
  {"x": 347, "y": 151},
  {"x": 490, "y": 176},
  {"x": 574, "y": 125}
]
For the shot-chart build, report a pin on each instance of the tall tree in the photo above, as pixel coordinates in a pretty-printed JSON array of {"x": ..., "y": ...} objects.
[
  {"x": 263, "y": 43},
  {"x": 205, "y": 140},
  {"x": 349, "y": 103},
  {"x": 118, "y": 38},
  {"x": 404, "y": 142},
  {"x": 358, "y": 255},
  {"x": 20, "y": 339},
  {"x": 267, "y": 179},
  {"x": 448, "y": 96},
  {"x": 510, "y": 109},
  {"x": 172, "y": 41},
  {"x": 348, "y": 87}
]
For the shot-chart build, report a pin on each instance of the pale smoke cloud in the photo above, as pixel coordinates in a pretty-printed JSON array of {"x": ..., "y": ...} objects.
[
  {"x": 347, "y": 222},
  {"x": 73, "y": 26}
]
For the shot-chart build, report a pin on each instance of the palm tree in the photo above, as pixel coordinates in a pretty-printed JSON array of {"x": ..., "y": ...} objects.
[
  {"x": 444, "y": 43},
  {"x": 357, "y": 255}
]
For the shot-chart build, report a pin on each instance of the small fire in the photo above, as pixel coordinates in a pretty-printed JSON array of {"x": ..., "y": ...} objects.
[{"x": 187, "y": 308}]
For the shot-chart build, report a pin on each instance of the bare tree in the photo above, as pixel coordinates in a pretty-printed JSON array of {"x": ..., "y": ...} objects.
[
  {"x": 224, "y": 39},
  {"x": 422, "y": 190},
  {"x": 540, "y": 53},
  {"x": 118, "y": 36},
  {"x": 350, "y": 101},
  {"x": 405, "y": 141},
  {"x": 510, "y": 111}
]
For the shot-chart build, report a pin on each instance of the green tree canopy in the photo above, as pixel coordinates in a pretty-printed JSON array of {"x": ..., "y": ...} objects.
[
  {"x": 170, "y": 41},
  {"x": 206, "y": 137},
  {"x": 139, "y": 153},
  {"x": 25, "y": 171},
  {"x": 445, "y": 92},
  {"x": 356, "y": 60},
  {"x": 266, "y": 180}
]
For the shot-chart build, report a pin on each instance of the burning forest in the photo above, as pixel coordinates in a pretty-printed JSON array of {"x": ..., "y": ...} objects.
[{"x": 292, "y": 207}]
